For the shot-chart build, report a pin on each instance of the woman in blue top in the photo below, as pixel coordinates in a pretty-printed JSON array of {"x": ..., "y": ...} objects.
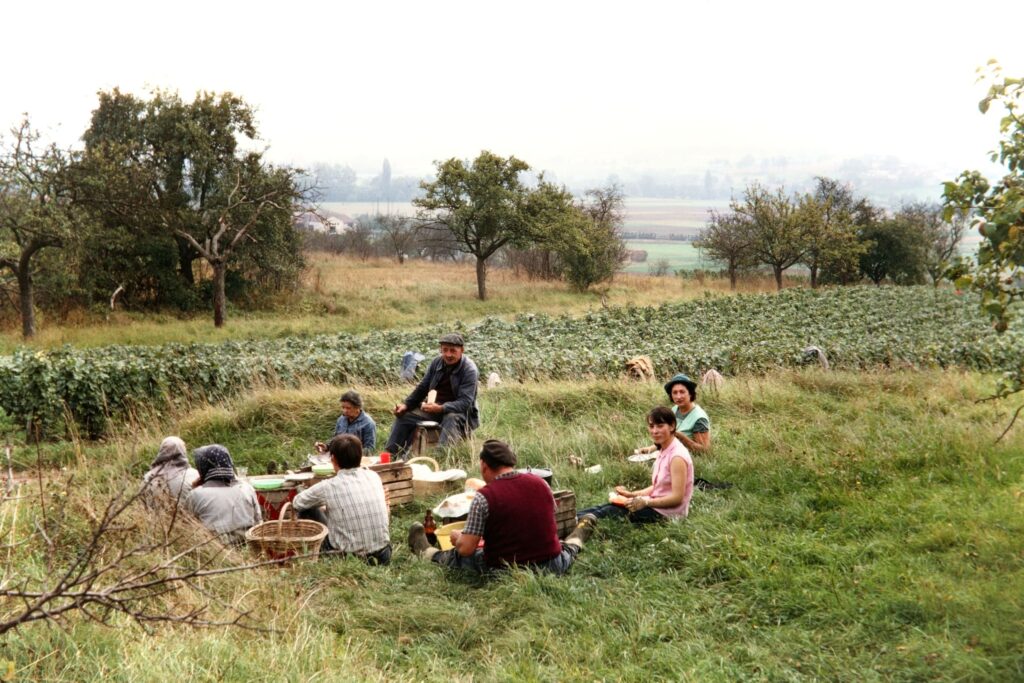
[{"x": 354, "y": 420}]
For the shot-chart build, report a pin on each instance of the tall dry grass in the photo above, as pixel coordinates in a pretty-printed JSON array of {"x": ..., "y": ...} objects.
[{"x": 343, "y": 294}]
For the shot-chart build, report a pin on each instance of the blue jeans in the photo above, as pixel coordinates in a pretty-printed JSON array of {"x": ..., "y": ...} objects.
[
  {"x": 557, "y": 565},
  {"x": 609, "y": 511},
  {"x": 454, "y": 428}
]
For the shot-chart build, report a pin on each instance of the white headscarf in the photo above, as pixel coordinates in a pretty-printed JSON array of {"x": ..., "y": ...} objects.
[{"x": 171, "y": 460}]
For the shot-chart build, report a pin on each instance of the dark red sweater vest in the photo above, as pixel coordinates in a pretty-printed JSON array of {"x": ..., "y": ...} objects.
[{"x": 520, "y": 524}]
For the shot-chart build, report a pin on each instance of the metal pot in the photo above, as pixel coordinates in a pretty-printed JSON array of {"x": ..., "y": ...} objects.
[{"x": 544, "y": 474}]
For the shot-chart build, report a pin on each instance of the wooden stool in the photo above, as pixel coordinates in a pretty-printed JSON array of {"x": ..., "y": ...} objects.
[{"x": 426, "y": 437}]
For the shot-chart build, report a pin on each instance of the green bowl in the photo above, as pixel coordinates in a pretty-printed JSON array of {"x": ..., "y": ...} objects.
[{"x": 267, "y": 484}]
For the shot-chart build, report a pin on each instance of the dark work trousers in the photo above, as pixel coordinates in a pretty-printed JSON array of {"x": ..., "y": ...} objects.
[
  {"x": 453, "y": 429},
  {"x": 609, "y": 511}
]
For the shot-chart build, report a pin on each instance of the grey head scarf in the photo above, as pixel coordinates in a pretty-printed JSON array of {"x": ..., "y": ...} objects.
[
  {"x": 171, "y": 459},
  {"x": 214, "y": 462}
]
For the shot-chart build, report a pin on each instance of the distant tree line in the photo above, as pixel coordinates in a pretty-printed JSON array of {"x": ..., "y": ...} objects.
[
  {"x": 838, "y": 237},
  {"x": 485, "y": 211},
  {"x": 339, "y": 183},
  {"x": 166, "y": 204},
  {"x": 384, "y": 236}
]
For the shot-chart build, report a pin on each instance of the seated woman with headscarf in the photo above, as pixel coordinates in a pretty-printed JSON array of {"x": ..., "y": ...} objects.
[
  {"x": 225, "y": 505},
  {"x": 169, "y": 479}
]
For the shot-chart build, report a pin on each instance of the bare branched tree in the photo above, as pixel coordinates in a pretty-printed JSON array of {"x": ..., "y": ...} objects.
[
  {"x": 125, "y": 565},
  {"x": 257, "y": 192},
  {"x": 399, "y": 233}
]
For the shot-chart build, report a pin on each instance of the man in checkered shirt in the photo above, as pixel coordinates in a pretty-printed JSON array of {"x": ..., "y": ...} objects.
[
  {"x": 356, "y": 509},
  {"x": 514, "y": 514}
]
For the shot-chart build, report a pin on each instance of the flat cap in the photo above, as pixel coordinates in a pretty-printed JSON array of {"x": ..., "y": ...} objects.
[{"x": 453, "y": 338}]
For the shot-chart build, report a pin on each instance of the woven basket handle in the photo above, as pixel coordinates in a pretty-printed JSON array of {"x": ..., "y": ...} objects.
[
  {"x": 423, "y": 458},
  {"x": 285, "y": 509}
]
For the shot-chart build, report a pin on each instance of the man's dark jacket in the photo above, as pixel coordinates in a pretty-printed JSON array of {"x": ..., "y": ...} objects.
[{"x": 465, "y": 378}]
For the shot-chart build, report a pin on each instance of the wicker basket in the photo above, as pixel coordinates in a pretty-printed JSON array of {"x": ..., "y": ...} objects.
[
  {"x": 284, "y": 538},
  {"x": 421, "y": 488}
]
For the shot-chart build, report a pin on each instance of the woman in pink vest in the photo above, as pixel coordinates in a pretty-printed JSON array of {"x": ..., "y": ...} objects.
[{"x": 668, "y": 496}]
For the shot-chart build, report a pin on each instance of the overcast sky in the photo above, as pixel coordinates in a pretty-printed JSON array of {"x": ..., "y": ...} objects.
[{"x": 577, "y": 88}]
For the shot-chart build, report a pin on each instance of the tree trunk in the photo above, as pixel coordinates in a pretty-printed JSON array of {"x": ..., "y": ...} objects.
[
  {"x": 732, "y": 279},
  {"x": 778, "y": 277},
  {"x": 481, "y": 278},
  {"x": 219, "y": 300},
  {"x": 25, "y": 301},
  {"x": 814, "y": 277},
  {"x": 186, "y": 255}
]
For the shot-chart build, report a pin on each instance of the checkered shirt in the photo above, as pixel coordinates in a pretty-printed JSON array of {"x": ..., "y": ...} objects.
[
  {"x": 357, "y": 513},
  {"x": 476, "y": 520}
]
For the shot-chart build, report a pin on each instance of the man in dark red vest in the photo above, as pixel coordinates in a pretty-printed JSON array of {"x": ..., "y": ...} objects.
[{"x": 514, "y": 514}]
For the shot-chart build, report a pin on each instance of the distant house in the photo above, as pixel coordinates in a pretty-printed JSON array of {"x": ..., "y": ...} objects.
[
  {"x": 339, "y": 224},
  {"x": 328, "y": 223}
]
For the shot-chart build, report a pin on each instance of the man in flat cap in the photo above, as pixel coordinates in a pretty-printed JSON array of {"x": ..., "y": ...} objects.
[
  {"x": 514, "y": 514},
  {"x": 446, "y": 394}
]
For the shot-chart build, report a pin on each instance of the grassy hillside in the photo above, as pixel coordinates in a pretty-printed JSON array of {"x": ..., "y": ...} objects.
[{"x": 874, "y": 532}]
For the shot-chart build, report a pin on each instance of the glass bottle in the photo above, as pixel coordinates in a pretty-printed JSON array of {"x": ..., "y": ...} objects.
[{"x": 430, "y": 526}]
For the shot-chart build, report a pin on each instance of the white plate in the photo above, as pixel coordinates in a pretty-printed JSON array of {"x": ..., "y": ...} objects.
[
  {"x": 643, "y": 457},
  {"x": 455, "y": 505}
]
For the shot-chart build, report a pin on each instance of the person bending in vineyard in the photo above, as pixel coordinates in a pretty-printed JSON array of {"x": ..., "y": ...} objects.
[
  {"x": 514, "y": 514},
  {"x": 446, "y": 394}
]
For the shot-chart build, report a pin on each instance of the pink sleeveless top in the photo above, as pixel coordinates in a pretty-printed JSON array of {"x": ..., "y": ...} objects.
[{"x": 661, "y": 478}]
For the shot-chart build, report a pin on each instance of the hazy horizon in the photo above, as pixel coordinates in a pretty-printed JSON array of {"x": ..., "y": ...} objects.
[{"x": 583, "y": 93}]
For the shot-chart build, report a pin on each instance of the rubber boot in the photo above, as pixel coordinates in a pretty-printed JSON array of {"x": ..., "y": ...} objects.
[
  {"x": 583, "y": 531},
  {"x": 418, "y": 543}
]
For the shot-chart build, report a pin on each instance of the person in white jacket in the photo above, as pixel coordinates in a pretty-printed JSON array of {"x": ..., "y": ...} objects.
[{"x": 169, "y": 479}]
